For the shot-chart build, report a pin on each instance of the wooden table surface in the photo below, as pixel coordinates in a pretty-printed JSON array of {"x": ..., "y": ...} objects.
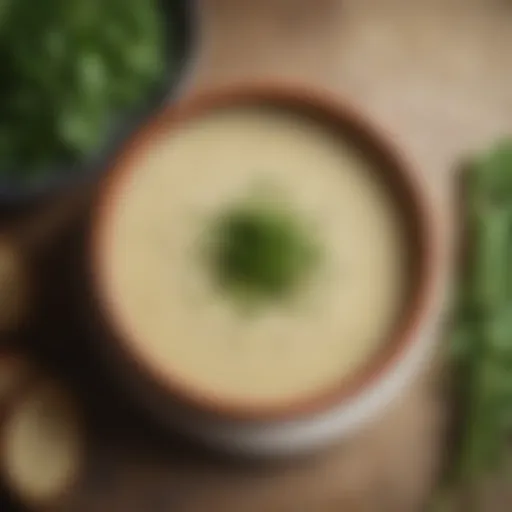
[{"x": 437, "y": 75}]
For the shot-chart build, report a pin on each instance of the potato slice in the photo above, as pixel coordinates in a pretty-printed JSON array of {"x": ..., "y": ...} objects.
[{"x": 43, "y": 443}]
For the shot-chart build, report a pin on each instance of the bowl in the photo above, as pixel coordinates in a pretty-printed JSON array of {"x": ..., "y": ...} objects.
[
  {"x": 181, "y": 41},
  {"x": 314, "y": 421}
]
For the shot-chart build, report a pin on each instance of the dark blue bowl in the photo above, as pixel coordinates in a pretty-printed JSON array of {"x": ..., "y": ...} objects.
[{"x": 180, "y": 25}]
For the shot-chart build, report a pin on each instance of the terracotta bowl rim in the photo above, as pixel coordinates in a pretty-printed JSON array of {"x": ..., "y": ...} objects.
[{"x": 337, "y": 111}]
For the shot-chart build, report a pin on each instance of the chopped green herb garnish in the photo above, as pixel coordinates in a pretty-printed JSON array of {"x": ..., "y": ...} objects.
[
  {"x": 261, "y": 251},
  {"x": 68, "y": 69}
]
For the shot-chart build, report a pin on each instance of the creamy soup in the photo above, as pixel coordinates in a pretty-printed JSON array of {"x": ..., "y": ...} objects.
[{"x": 162, "y": 290}]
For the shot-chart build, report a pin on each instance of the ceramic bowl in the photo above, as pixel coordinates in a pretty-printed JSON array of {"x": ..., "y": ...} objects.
[
  {"x": 338, "y": 412},
  {"x": 179, "y": 18}
]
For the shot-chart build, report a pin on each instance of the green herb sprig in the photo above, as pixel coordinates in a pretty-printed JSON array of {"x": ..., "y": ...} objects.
[{"x": 481, "y": 345}]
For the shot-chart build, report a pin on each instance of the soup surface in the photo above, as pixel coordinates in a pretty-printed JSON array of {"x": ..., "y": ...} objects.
[{"x": 163, "y": 294}]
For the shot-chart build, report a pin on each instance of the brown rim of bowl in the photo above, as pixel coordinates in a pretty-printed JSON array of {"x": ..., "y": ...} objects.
[{"x": 346, "y": 119}]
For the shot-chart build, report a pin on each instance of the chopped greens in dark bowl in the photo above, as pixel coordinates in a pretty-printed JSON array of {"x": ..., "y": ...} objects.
[{"x": 78, "y": 76}]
